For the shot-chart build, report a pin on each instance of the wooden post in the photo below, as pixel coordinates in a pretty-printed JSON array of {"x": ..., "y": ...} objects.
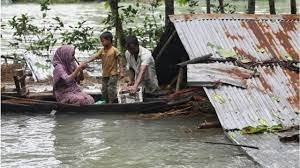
[
  {"x": 179, "y": 79},
  {"x": 183, "y": 65},
  {"x": 22, "y": 82},
  {"x": 272, "y": 7},
  {"x": 251, "y": 6},
  {"x": 19, "y": 79},
  {"x": 18, "y": 88},
  {"x": 293, "y": 7},
  {"x": 172, "y": 82},
  {"x": 5, "y": 60},
  {"x": 207, "y": 6},
  {"x": 19, "y": 72}
]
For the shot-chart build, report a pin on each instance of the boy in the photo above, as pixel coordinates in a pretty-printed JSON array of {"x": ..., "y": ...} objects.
[{"x": 111, "y": 60}]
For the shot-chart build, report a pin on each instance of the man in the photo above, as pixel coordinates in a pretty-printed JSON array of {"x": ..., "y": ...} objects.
[{"x": 140, "y": 60}]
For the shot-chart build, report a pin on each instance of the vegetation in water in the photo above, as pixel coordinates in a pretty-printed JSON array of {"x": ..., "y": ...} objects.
[
  {"x": 40, "y": 38},
  {"x": 261, "y": 129},
  {"x": 151, "y": 28}
]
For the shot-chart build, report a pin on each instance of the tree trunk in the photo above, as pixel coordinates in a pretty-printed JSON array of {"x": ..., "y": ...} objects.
[
  {"x": 169, "y": 10},
  {"x": 207, "y": 6},
  {"x": 251, "y": 6},
  {"x": 221, "y": 5},
  {"x": 120, "y": 39},
  {"x": 272, "y": 7},
  {"x": 293, "y": 7}
]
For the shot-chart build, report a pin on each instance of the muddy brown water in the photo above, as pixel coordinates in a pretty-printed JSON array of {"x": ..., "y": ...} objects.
[{"x": 113, "y": 141}]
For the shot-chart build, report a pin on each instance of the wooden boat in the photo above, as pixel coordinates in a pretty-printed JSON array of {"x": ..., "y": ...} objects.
[{"x": 47, "y": 104}]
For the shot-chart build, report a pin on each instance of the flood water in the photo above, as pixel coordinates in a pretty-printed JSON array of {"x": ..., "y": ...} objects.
[
  {"x": 108, "y": 140},
  {"x": 95, "y": 13},
  {"x": 113, "y": 141}
]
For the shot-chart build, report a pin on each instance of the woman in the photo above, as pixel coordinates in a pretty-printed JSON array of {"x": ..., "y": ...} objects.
[{"x": 65, "y": 87}]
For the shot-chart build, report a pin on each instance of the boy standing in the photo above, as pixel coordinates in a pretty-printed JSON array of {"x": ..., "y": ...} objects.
[{"x": 111, "y": 61}]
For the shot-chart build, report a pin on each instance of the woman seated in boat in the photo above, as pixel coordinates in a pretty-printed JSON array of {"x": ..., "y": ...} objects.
[{"x": 65, "y": 77}]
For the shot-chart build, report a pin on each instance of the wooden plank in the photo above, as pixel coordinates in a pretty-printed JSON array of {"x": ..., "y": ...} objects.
[{"x": 179, "y": 79}]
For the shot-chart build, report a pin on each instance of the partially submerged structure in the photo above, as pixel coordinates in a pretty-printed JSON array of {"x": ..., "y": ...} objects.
[{"x": 251, "y": 79}]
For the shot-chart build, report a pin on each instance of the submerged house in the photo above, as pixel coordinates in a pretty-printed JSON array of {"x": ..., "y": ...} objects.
[{"x": 251, "y": 79}]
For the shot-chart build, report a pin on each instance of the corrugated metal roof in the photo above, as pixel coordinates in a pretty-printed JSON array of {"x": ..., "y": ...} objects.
[
  {"x": 272, "y": 152},
  {"x": 216, "y": 73},
  {"x": 274, "y": 94},
  {"x": 254, "y": 37},
  {"x": 271, "y": 97}
]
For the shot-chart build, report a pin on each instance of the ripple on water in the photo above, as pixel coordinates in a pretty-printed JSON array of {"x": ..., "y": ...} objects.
[
  {"x": 112, "y": 141},
  {"x": 27, "y": 141}
]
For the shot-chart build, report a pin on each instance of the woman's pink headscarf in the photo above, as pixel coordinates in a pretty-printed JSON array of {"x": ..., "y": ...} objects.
[
  {"x": 64, "y": 56},
  {"x": 67, "y": 90}
]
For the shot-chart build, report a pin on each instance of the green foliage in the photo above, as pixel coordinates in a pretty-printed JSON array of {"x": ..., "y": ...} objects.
[
  {"x": 227, "y": 53},
  {"x": 50, "y": 1},
  {"x": 219, "y": 98},
  {"x": 80, "y": 36},
  {"x": 182, "y": 2},
  {"x": 128, "y": 14},
  {"x": 41, "y": 38},
  {"x": 45, "y": 5},
  {"x": 149, "y": 31},
  {"x": 261, "y": 129},
  {"x": 44, "y": 43},
  {"x": 228, "y": 8},
  {"x": 31, "y": 37},
  {"x": 22, "y": 27},
  {"x": 190, "y": 3}
]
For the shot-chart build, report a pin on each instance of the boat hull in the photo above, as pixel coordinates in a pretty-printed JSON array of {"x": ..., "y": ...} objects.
[{"x": 15, "y": 104}]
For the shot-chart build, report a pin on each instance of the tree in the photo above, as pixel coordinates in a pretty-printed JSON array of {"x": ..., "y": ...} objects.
[
  {"x": 120, "y": 38},
  {"x": 272, "y": 7},
  {"x": 169, "y": 10},
  {"x": 293, "y": 7},
  {"x": 221, "y": 6},
  {"x": 207, "y": 6},
  {"x": 251, "y": 6}
]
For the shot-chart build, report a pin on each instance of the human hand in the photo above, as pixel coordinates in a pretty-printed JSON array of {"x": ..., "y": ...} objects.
[
  {"x": 82, "y": 65},
  {"x": 129, "y": 82},
  {"x": 132, "y": 89},
  {"x": 121, "y": 76}
]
